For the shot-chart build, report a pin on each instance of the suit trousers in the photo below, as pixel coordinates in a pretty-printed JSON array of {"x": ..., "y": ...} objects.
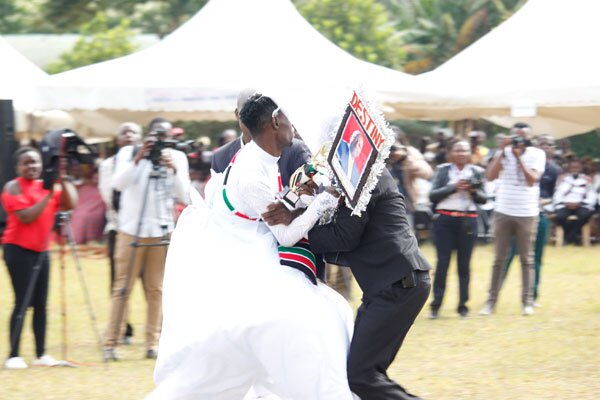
[
  {"x": 382, "y": 322},
  {"x": 149, "y": 265},
  {"x": 524, "y": 230},
  {"x": 573, "y": 227},
  {"x": 453, "y": 233}
]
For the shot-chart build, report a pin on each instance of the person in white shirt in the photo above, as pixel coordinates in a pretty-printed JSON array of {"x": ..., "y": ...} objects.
[
  {"x": 574, "y": 200},
  {"x": 146, "y": 217},
  {"x": 518, "y": 168},
  {"x": 128, "y": 134}
]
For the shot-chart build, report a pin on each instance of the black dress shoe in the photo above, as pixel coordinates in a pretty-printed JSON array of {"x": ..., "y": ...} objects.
[{"x": 463, "y": 311}]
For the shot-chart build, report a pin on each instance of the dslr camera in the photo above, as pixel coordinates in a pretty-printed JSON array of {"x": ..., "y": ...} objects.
[
  {"x": 475, "y": 183},
  {"x": 517, "y": 141},
  {"x": 163, "y": 143}
]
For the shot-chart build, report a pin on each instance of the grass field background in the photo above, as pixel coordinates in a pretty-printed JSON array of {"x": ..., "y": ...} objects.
[{"x": 554, "y": 354}]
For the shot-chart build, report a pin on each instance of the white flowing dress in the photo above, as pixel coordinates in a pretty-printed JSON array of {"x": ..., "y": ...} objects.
[{"x": 233, "y": 316}]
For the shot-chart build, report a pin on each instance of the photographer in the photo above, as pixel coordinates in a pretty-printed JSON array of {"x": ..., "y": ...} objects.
[
  {"x": 150, "y": 179},
  {"x": 478, "y": 151},
  {"x": 406, "y": 164},
  {"x": 457, "y": 189},
  {"x": 30, "y": 216},
  {"x": 129, "y": 133},
  {"x": 518, "y": 168}
]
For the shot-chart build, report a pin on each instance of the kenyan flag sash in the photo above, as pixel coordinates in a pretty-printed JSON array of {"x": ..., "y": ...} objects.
[{"x": 301, "y": 258}]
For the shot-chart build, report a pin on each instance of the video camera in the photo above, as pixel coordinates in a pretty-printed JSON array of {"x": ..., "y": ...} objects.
[
  {"x": 63, "y": 143},
  {"x": 163, "y": 143}
]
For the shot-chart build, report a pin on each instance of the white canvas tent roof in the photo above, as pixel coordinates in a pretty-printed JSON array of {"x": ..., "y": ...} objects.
[
  {"x": 18, "y": 80},
  {"x": 18, "y": 76},
  {"x": 197, "y": 71},
  {"x": 544, "y": 60}
]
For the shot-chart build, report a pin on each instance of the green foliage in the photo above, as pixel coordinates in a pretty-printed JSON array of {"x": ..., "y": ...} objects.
[
  {"x": 10, "y": 20},
  {"x": 98, "y": 43},
  {"x": 164, "y": 16},
  {"x": 435, "y": 30},
  {"x": 361, "y": 27},
  {"x": 157, "y": 16},
  {"x": 586, "y": 144}
]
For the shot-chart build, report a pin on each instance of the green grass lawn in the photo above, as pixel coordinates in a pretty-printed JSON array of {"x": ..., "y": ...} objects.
[{"x": 554, "y": 354}]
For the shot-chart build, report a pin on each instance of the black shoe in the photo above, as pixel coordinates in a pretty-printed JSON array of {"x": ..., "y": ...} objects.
[
  {"x": 434, "y": 314},
  {"x": 463, "y": 311},
  {"x": 151, "y": 354}
]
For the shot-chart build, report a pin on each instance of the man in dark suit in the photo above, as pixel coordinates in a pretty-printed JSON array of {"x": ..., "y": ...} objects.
[
  {"x": 382, "y": 251},
  {"x": 291, "y": 158}
]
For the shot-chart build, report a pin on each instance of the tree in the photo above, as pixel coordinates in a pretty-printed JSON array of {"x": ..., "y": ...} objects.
[
  {"x": 435, "y": 30},
  {"x": 361, "y": 27},
  {"x": 157, "y": 16},
  {"x": 98, "y": 43}
]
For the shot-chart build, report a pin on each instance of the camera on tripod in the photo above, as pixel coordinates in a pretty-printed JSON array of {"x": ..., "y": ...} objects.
[
  {"x": 63, "y": 143},
  {"x": 155, "y": 153}
]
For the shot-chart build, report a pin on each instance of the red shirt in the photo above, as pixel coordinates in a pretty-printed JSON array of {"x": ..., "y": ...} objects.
[{"x": 36, "y": 234}]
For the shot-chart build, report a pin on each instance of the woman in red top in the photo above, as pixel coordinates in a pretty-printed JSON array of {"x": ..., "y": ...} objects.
[{"x": 30, "y": 213}]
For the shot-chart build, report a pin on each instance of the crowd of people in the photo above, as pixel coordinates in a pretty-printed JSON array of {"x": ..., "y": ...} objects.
[
  {"x": 516, "y": 193},
  {"x": 457, "y": 192}
]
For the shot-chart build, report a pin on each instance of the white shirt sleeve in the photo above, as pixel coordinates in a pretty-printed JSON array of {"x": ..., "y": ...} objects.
[
  {"x": 104, "y": 180},
  {"x": 181, "y": 181},
  {"x": 591, "y": 197},
  {"x": 125, "y": 169},
  {"x": 535, "y": 159},
  {"x": 559, "y": 193},
  {"x": 258, "y": 196}
]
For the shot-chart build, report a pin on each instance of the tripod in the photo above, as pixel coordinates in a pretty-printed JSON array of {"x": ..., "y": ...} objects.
[
  {"x": 64, "y": 228},
  {"x": 157, "y": 179}
]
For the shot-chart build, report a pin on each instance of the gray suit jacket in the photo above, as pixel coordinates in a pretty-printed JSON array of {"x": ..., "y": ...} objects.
[{"x": 291, "y": 158}]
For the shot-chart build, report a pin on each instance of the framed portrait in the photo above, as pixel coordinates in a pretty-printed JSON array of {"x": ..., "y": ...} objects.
[{"x": 352, "y": 155}]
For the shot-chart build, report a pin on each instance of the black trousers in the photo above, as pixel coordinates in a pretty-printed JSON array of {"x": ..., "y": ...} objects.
[
  {"x": 20, "y": 263},
  {"x": 573, "y": 227},
  {"x": 453, "y": 233},
  {"x": 382, "y": 322}
]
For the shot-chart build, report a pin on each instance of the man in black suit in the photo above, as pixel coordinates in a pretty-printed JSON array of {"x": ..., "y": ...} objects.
[
  {"x": 291, "y": 158},
  {"x": 382, "y": 251}
]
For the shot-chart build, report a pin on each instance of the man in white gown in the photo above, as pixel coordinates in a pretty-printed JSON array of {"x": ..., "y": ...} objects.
[{"x": 237, "y": 317}]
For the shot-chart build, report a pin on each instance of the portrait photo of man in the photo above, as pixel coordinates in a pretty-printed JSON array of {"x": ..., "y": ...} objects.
[{"x": 351, "y": 158}]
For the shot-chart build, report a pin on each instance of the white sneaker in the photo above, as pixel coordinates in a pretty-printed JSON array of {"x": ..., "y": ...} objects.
[
  {"x": 537, "y": 305},
  {"x": 528, "y": 310},
  {"x": 45, "y": 361},
  {"x": 486, "y": 310},
  {"x": 15, "y": 363}
]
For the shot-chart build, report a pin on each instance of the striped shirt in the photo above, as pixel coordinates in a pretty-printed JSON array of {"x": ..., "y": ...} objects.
[{"x": 514, "y": 196}]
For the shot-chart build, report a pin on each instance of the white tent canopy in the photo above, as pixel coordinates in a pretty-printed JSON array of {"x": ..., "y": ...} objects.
[
  {"x": 540, "y": 66},
  {"x": 197, "y": 71},
  {"x": 18, "y": 77}
]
